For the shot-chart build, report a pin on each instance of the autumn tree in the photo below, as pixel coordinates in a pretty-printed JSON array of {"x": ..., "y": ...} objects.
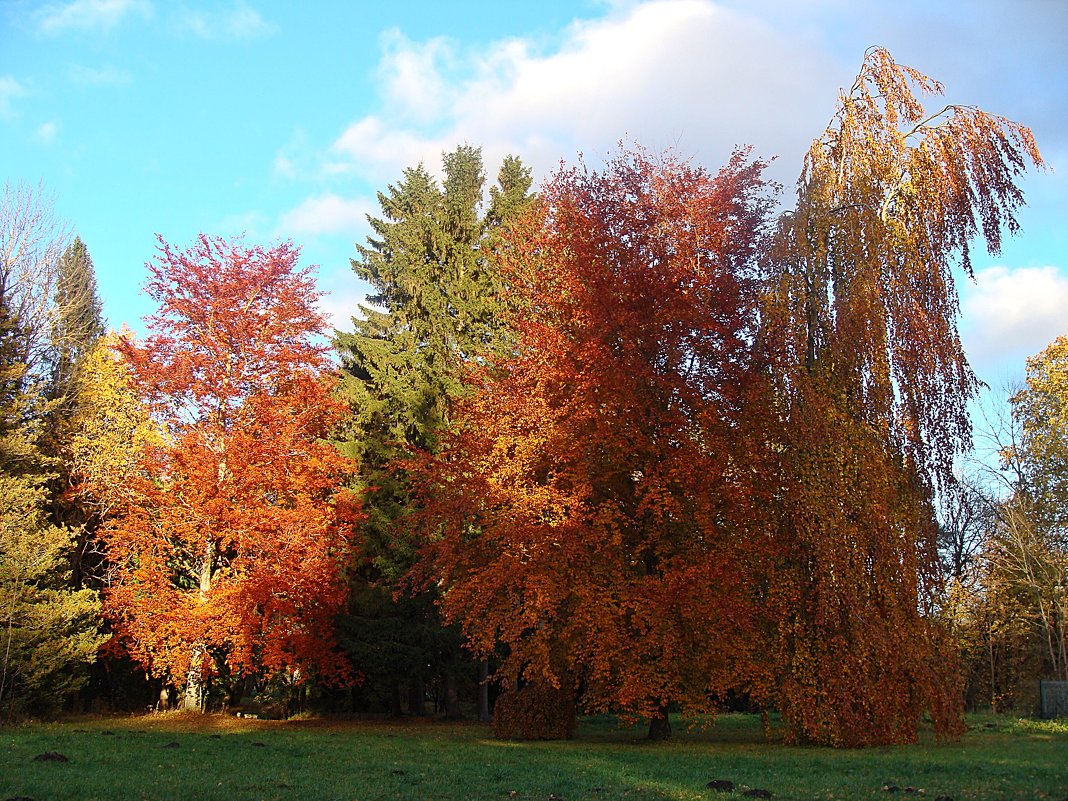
[
  {"x": 1041, "y": 409},
  {"x": 859, "y": 326},
  {"x": 433, "y": 306},
  {"x": 591, "y": 510},
  {"x": 229, "y": 540},
  {"x": 1028, "y": 549}
]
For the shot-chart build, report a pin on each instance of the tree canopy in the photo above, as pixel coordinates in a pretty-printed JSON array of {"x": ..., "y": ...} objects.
[{"x": 228, "y": 543}]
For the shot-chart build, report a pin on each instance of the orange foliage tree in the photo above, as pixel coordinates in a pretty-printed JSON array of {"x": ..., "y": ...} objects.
[
  {"x": 227, "y": 543},
  {"x": 872, "y": 387},
  {"x": 592, "y": 510}
]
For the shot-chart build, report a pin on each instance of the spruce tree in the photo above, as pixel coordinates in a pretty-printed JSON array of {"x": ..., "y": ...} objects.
[
  {"x": 76, "y": 328},
  {"x": 77, "y": 318},
  {"x": 434, "y": 306}
]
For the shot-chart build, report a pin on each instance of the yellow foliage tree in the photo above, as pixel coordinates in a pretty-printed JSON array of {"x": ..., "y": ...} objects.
[
  {"x": 111, "y": 431},
  {"x": 873, "y": 386}
]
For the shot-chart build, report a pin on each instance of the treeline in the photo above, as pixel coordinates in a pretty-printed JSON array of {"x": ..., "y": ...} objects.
[{"x": 629, "y": 442}]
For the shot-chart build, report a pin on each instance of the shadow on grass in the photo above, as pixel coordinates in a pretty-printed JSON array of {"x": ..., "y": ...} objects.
[{"x": 193, "y": 757}]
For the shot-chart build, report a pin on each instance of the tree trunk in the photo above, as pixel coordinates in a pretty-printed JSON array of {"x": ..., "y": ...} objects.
[
  {"x": 484, "y": 714},
  {"x": 396, "y": 709},
  {"x": 660, "y": 724},
  {"x": 193, "y": 697}
]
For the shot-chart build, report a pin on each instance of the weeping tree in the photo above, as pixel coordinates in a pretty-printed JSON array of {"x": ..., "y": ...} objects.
[{"x": 859, "y": 329}]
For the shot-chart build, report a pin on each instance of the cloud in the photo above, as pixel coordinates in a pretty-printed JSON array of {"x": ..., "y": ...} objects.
[
  {"x": 102, "y": 15},
  {"x": 99, "y": 76},
  {"x": 703, "y": 76},
  {"x": 663, "y": 73},
  {"x": 326, "y": 214},
  {"x": 47, "y": 132},
  {"x": 240, "y": 22},
  {"x": 343, "y": 294},
  {"x": 1012, "y": 313},
  {"x": 414, "y": 76},
  {"x": 10, "y": 89}
]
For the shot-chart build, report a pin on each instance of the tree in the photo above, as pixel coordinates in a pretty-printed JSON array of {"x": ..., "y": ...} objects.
[
  {"x": 1030, "y": 543},
  {"x": 228, "y": 543},
  {"x": 1041, "y": 409},
  {"x": 49, "y": 633},
  {"x": 77, "y": 318},
  {"x": 434, "y": 307},
  {"x": 859, "y": 327},
  {"x": 76, "y": 328},
  {"x": 589, "y": 510},
  {"x": 31, "y": 242}
]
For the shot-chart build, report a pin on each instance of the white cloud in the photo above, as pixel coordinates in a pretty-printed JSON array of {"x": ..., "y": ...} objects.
[
  {"x": 240, "y": 22},
  {"x": 413, "y": 76},
  {"x": 106, "y": 75},
  {"x": 664, "y": 73},
  {"x": 10, "y": 89},
  {"x": 341, "y": 299},
  {"x": 326, "y": 214},
  {"x": 47, "y": 132},
  {"x": 1012, "y": 313},
  {"x": 89, "y": 14}
]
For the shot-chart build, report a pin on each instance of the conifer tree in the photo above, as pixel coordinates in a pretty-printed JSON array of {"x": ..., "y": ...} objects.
[
  {"x": 77, "y": 317},
  {"x": 76, "y": 328},
  {"x": 49, "y": 633},
  {"x": 434, "y": 307}
]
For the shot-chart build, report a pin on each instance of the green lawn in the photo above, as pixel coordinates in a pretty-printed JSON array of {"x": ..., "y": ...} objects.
[{"x": 216, "y": 758}]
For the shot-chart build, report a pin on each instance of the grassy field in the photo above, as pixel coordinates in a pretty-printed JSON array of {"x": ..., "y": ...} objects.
[{"x": 164, "y": 757}]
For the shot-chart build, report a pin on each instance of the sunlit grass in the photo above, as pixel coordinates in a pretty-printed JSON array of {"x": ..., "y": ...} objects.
[{"x": 189, "y": 758}]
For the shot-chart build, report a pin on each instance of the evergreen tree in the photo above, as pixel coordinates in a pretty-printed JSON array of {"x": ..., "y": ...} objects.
[
  {"x": 76, "y": 328},
  {"x": 78, "y": 317},
  {"x": 49, "y": 633},
  {"x": 434, "y": 307}
]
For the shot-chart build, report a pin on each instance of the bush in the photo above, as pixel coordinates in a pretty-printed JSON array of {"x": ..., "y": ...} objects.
[{"x": 535, "y": 711}]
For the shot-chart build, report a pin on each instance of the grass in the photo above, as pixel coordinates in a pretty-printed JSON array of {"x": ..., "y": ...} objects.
[{"x": 222, "y": 759}]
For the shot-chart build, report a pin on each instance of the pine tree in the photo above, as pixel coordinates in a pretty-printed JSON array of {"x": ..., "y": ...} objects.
[{"x": 434, "y": 307}]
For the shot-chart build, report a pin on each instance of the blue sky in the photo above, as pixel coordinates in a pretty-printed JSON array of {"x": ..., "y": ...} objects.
[{"x": 282, "y": 119}]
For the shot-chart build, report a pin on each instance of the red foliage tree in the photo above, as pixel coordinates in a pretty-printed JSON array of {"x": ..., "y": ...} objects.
[
  {"x": 228, "y": 545},
  {"x": 590, "y": 511}
]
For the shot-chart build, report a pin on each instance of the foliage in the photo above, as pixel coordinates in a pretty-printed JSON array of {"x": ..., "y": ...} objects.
[
  {"x": 77, "y": 318},
  {"x": 536, "y": 711},
  {"x": 49, "y": 633},
  {"x": 873, "y": 386},
  {"x": 588, "y": 512},
  {"x": 110, "y": 430},
  {"x": 1041, "y": 410},
  {"x": 433, "y": 306},
  {"x": 228, "y": 540}
]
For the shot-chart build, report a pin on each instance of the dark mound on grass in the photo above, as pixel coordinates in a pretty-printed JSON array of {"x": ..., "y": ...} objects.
[{"x": 51, "y": 756}]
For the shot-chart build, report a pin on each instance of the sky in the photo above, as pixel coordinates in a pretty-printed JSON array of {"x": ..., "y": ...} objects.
[{"x": 281, "y": 120}]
